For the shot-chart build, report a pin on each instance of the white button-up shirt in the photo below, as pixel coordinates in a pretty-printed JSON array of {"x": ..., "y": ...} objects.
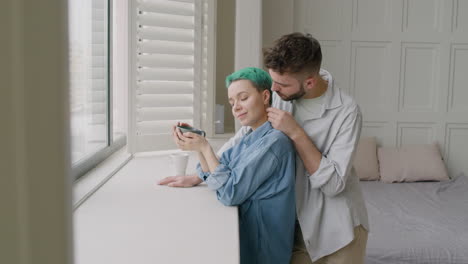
[{"x": 329, "y": 203}]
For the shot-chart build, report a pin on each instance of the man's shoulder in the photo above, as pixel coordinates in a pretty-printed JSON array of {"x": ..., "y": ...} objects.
[{"x": 348, "y": 103}]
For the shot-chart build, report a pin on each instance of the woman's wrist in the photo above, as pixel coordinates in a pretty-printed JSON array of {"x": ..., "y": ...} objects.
[
  {"x": 200, "y": 154},
  {"x": 196, "y": 180},
  {"x": 205, "y": 149}
]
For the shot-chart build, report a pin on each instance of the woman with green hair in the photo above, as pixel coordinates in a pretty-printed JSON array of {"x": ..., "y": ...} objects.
[{"x": 256, "y": 174}]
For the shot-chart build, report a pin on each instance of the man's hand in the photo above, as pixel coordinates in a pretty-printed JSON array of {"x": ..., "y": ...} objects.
[
  {"x": 180, "y": 181},
  {"x": 283, "y": 121}
]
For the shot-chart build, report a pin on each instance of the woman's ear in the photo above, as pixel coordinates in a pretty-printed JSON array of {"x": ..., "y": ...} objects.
[{"x": 266, "y": 97}]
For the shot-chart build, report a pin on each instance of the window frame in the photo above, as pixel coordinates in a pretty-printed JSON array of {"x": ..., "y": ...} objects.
[{"x": 90, "y": 161}]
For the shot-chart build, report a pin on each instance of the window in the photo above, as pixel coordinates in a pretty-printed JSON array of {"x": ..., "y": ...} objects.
[
  {"x": 97, "y": 107},
  {"x": 169, "y": 69}
]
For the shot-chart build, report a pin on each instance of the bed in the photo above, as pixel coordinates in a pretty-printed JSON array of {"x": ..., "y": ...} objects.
[{"x": 420, "y": 222}]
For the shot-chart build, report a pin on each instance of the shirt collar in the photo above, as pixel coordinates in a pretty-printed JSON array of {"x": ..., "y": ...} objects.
[
  {"x": 254, "y": 135},
  {"x": 332, "y": 96}
]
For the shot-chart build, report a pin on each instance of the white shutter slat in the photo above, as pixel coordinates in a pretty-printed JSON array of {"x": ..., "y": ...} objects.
[
  {"x": 99, "y": 5},
  {"x": 166, "y": 20},
  {"x": 166, "y": 113},
  {"x": 167, "y": 7},
  {"x": 98, "y": 107},
  {"x": 166, "y": 47},
  {"x": 165, "y": 74},
  {"x": 186, "y": 1},
  {"x": 99, "y": 50},
  {"x": 99, "y": 85},
  {"x": 99, "y": 38},
  {"x": 166, "y": 60},
  {"x": 99, "y": 73},
  {"x": 154, "y": 142},
  {"x": 98, "y": 96},
  {"x": 164, "y": 100},
  {"x": 157, "y": 127},
  {"x": 98, "y": 26},
  {"x": 168, "y": 34},
  {"x": 99, "y": 15},
  {"x": 99, "y": 62},
  {"x": 98, "y": 119},
  {"x": 163, "y": 87}
]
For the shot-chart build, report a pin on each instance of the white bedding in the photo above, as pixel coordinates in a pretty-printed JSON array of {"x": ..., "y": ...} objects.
[{"x": 423, "y": 222}]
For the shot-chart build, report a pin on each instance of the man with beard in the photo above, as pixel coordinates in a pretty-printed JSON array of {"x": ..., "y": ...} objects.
[{"x": 324, "y": 124}]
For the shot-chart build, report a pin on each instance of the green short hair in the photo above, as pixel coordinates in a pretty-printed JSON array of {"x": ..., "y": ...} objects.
[{"x": 258, "y": 77}]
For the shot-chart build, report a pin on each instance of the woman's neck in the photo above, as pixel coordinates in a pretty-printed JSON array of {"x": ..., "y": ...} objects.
[{"x": 259, "y": 122}]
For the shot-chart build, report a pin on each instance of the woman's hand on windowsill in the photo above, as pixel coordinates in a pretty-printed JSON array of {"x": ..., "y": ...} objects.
[{"x": 181, "y": 181}]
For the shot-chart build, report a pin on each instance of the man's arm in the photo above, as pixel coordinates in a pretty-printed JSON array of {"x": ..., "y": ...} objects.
[
  {"x": 327, "y": 172},
  {"x": 284, "y": 121},
  {"x": 310, "y": 155}
]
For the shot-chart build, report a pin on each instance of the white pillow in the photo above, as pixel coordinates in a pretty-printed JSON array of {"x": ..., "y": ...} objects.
[
  {"x": 365, "y": 160},
  {"x": 411, "y": 163}
]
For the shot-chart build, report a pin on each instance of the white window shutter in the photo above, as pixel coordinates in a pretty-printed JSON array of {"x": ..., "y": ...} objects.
[
  {"x": 98, "y": 101},
  {"x": 167, "y": 70}
]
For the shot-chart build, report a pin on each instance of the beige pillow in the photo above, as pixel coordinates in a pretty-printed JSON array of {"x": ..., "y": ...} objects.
[
  {"x": 365, "y": 159},
  {"x": 411, "y": 163}
]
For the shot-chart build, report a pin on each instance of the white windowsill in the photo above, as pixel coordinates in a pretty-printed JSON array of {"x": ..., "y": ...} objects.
[
  {"x": 131, "y": 219},
  {"x": 88, "y": 184}
]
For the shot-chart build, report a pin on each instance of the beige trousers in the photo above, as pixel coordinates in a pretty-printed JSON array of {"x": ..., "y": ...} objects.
[{"x": 353, "y": 253}]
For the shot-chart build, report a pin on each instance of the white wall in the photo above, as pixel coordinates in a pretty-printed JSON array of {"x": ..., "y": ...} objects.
[
  {"x": 225, "y": 27},
  {"x": 248, "y": 37},
  {"x": 35, "y": 204},
  {"x": 406, "y": 64},
  {"x": 277, "y": 16}
]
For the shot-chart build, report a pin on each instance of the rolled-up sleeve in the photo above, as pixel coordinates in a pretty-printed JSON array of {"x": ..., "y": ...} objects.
[
  {"x": 234, "y": 185},
  {"x": 219, "y": 177},
  {"x": 202, "y": 174},
  {"x": 335, "y": 166},
  {"x": 229, "y": 144}
]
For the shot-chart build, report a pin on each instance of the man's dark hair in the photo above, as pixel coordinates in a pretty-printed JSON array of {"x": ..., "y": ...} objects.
[{"x": 294, "y": 53}]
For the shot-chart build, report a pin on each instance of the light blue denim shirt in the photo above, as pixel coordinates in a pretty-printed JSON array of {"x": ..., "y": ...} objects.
[{"x": 257, "y": 174}]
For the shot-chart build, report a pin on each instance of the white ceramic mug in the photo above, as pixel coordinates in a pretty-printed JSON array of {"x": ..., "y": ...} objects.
[{"x": 179, "y": 163}]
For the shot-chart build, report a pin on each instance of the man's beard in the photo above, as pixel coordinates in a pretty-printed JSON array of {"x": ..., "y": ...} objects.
[{"x": 295, "y": 96}]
